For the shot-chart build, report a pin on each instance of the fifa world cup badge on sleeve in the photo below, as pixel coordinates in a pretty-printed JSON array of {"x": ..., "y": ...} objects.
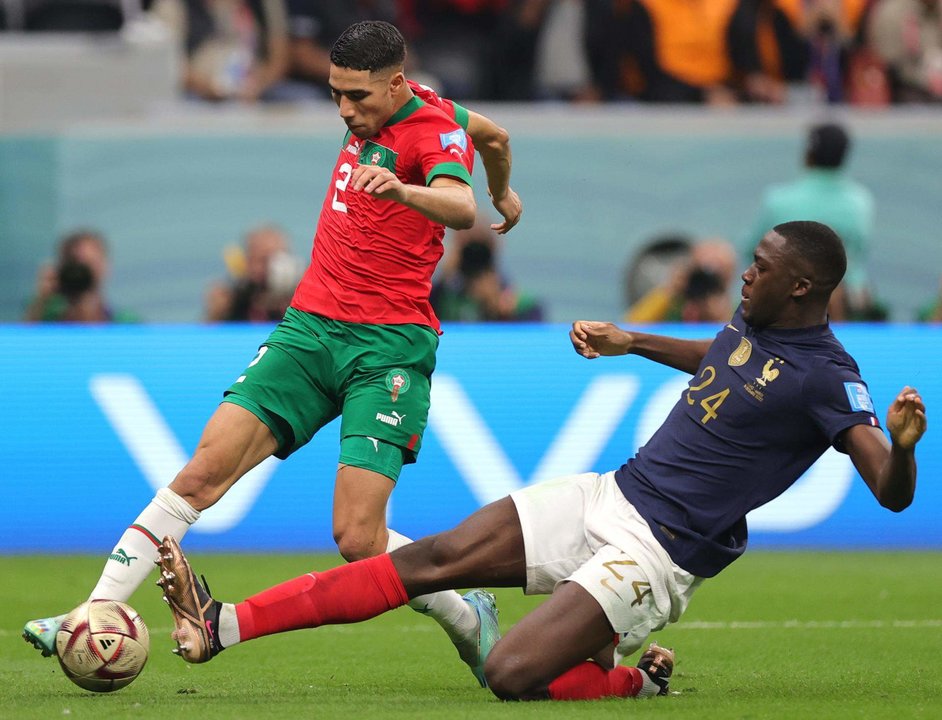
[
  {"x": 859, "y": 397},
  {"x": 455, "y": 137}
]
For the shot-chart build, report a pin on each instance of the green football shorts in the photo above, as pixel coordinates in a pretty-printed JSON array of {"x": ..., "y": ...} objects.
[{"x": 312, "y": 369}]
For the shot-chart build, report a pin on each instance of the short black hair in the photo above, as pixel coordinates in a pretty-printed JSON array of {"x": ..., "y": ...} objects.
[
  {"x": 369, "y": 45},
  {"x": 820, "y": 247},
  {"x": 827, "y": 145}
]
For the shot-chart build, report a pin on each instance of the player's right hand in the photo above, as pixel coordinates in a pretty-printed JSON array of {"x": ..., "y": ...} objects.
[
  {"x": 593, "y": 339},
  {"x": 377, "y": 181}
]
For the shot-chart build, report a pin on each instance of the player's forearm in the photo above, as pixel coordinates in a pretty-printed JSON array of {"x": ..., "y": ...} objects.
[
  {"x": 452, "y": 206},
  {"x": 896, "y": 484},
  {"x": 493, "y": 145},
  {"x": 684, "y": 355},
  {"x": 497, "y": 163}
]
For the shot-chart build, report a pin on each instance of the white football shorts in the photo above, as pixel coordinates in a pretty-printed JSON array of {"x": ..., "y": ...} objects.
[{"x": 582, "y": 529}]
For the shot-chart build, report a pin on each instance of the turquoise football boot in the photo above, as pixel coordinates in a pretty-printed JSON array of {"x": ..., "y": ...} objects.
[
  {"x": 41, "y": 634},
  {"x": 488, "y": 634}
]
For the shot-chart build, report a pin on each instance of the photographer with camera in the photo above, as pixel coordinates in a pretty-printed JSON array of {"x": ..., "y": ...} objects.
[
  {"x": 262, "y": 277},
  {"x": 72, "y": 289},
  {"x": 472, "y": 288}
]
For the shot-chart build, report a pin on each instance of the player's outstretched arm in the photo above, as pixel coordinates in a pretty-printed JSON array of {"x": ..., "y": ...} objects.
[
  {"x": 889, "y": 466},
  {"x": 493, "y": 144},
  {"x": 593, "y": 339}
]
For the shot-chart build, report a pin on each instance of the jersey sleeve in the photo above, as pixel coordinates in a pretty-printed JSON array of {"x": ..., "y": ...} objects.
[
  {"x": 443, "y": 149},
  {"x": 452, "y": 109},
  {"x": 837, "y": 398}
]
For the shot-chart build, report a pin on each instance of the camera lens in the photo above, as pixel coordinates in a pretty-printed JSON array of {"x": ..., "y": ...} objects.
[{"x": 75, "y": 278}]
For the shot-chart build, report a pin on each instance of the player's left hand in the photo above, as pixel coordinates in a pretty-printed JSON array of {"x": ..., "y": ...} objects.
[
  {"x": 510, "y": 208},
  {"x": 906, "y": 418},
  {"x": 377, "y": 181}
]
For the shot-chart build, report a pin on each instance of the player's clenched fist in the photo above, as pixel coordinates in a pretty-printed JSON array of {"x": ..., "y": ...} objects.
[{"x": 593, "y": 339}]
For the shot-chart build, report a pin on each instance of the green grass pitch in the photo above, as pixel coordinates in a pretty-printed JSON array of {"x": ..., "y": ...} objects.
[{"x": 778, "y": 635}]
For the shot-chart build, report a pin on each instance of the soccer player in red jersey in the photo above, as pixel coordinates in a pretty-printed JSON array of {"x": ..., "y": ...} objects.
[
  {"x": 360, "y": 337},
  {"x": 621, "y": 553}
]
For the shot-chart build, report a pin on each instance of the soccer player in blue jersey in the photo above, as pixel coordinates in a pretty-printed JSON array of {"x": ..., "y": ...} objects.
[{"x": 621, "y": 553}]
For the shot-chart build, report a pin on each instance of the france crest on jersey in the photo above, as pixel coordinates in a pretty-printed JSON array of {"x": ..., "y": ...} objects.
[{"x": 455, "y": 137}]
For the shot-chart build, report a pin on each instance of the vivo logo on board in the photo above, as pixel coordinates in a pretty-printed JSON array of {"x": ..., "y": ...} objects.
[{"x": 472, "y": 447}]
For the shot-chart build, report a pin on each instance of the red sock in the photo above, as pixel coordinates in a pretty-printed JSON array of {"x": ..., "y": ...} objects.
[
  {"x": 345, "y": 594},
  {"x": 590, "y": 681}
]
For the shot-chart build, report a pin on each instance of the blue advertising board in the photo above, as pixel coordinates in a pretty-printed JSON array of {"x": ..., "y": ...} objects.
[{"x": 95, "y": 419}]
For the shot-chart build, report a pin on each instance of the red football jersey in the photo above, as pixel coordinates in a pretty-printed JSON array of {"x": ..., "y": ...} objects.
[
  {"x": 373, "y": 260},
  {"x": 449, "y": 107}
]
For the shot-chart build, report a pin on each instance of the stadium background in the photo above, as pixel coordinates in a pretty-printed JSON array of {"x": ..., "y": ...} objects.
[
  {"x": 96, "y": 417},
  {"x": 172, "y": 192}
]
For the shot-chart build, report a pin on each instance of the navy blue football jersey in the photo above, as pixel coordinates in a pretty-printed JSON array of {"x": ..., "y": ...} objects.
[{"x": 762, "y": 407}]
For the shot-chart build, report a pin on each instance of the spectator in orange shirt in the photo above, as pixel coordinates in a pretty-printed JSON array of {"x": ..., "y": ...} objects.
[{"x": 677, "y": 51}]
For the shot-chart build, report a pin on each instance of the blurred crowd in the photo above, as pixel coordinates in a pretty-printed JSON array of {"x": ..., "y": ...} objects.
[
  {"x": 675, "y": 277},
  {"x": 682, "y": 278},
  {"x": 720, "y": 52},
  {"x": 716, "y": 52}
]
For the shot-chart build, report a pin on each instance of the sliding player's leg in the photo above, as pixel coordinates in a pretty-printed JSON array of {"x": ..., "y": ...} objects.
[
  {"x": 610, "y": 598},
  {"x": 612, "y": 585},
  {"x": 486, "y": 549},
  {"x": 361, "y": 496},
  {"x": 544, "y": 655}
]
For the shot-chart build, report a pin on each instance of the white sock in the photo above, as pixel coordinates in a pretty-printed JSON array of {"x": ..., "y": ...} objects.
[
  {"x": 228, "y": 626},
  {"x": 649, "y": 688},
  {"x": 133, "y": 557},
  {"x": 457, "y": 618}
]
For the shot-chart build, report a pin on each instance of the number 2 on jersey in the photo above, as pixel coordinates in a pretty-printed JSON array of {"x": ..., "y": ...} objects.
[{"x": 344, "y": 172}]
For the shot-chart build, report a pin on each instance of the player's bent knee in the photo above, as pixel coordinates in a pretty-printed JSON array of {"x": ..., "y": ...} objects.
[
  {"x": 507, "y": 676},
  {"x": 355, "y": 546}
]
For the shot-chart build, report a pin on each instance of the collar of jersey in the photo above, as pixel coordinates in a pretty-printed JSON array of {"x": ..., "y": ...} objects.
[
  {"x": 811, "y": 331},
  {"x": 405, "y": 111}
]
